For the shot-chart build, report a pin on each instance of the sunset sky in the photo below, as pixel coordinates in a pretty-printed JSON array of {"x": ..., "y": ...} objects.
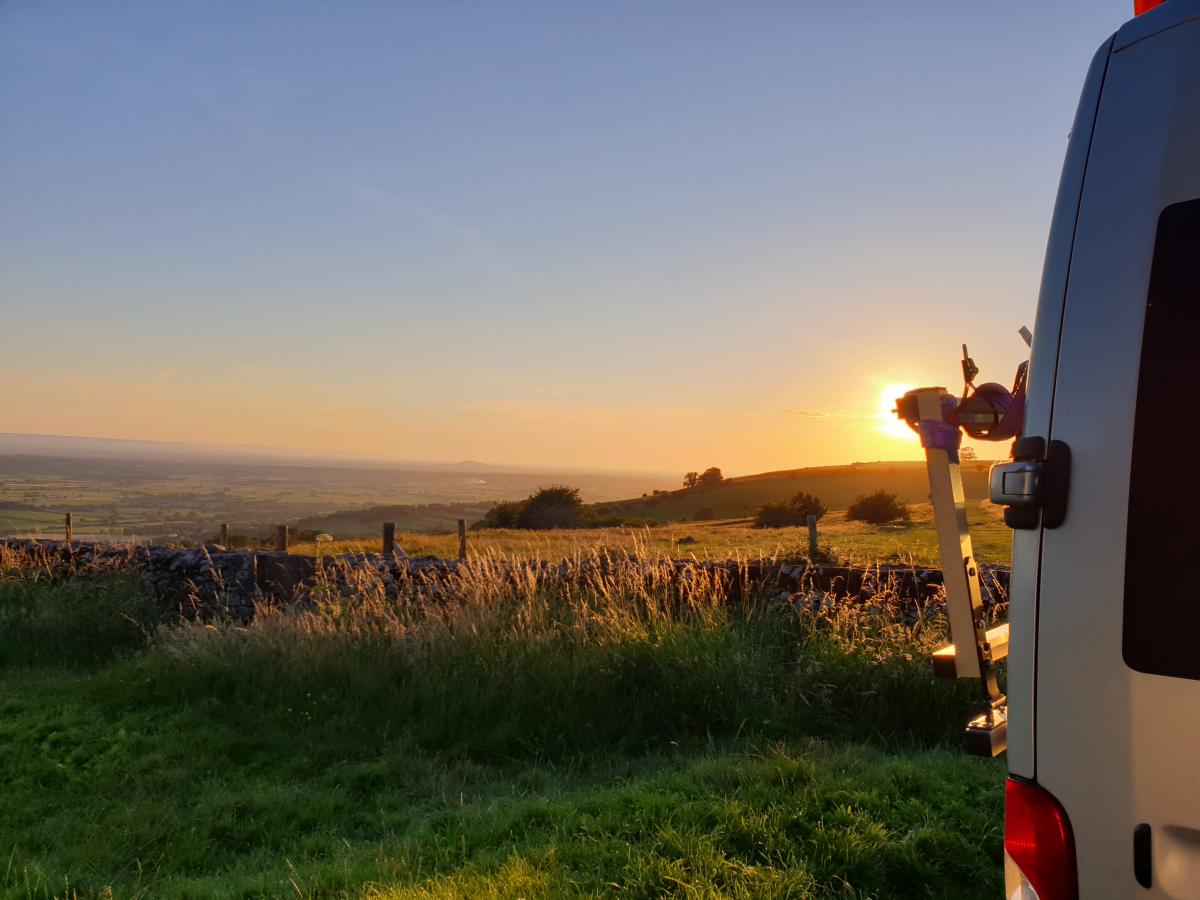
[{"x": 652, "y": 236}]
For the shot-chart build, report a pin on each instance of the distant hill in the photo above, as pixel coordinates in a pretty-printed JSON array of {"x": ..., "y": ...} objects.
[{"x": 837, "y": 486}]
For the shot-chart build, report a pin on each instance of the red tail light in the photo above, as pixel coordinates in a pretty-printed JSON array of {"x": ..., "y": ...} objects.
[
  {"x": 1038, "y": 839},
  {"x": 1140, "y": 6}
]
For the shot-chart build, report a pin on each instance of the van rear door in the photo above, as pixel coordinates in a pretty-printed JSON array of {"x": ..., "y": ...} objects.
[{"x": 1116, "y": 719}]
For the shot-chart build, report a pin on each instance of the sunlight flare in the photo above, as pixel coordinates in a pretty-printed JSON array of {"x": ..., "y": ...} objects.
[{"x": 889, "y": 425}]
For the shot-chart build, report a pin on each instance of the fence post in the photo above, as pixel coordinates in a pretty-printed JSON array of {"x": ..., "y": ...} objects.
[
  {"x": 812, "y": 536},
  {"x": 462, "y": 539},
  {"x": 224, "y": 540},
  {"x": 389, "y": 538},
  {"x": 70, "y": 531},
  {"x": 281, "y": 538}
]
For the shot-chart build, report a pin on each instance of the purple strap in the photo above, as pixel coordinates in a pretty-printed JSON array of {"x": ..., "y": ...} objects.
[{"x": 939, "y": 435}]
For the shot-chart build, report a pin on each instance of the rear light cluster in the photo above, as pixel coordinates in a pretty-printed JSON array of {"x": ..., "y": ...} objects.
[
  {"x": 1039, "y": 848},
  {"x": 1140, "y": 6}
]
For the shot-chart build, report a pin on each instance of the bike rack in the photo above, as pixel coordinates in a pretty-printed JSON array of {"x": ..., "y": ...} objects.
[{"x": 974, "y": 649}]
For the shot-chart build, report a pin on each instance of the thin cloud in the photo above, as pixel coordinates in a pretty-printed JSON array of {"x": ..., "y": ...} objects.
[{"x": 820, "y": 414}]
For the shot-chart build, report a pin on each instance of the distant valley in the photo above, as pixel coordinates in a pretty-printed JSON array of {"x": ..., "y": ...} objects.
[{"x": 184, "y": 492}]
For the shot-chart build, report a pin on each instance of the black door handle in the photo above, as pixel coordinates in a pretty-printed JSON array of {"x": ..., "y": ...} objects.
[{"x": 1141, "y": 855}]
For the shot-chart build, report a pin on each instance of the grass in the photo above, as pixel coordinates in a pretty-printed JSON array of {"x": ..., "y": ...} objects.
[
  {"x": 623, "y": 735},
  {"x": 856, "y": 541}
]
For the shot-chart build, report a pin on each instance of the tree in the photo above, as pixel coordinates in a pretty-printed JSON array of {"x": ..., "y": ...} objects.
[
  {"x": 710, "y": 477},
  {"x": 878, "y": 508},
  {"x": 503, "y": 515},
  {"x": 691, "y": 479},
  {"x": 552, "y": 507},
  {"x": 774, "y": 515},
  {"x": 793, "y": 511},
  {"x": 704, "y": 514},
  {"x": 807, "y": 505}
]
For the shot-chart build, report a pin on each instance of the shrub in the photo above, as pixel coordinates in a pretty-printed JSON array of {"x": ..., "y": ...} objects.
[
  {"x": 704, "y": 514},
  {"x": 878, "y": 508},
  {"x": 552, "y": 507},
  {"x": 807, "y": 505},
  {"x": 502, "y": 515},
  {"x": 774, "y": 515},
  {"x": 793, "y": 511}
]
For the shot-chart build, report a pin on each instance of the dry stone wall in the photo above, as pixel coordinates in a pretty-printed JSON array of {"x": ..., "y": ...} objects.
[{"x": 213, "y": 581}]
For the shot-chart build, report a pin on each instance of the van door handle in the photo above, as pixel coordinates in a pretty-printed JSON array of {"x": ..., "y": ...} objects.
[
  {"x": 1034, "y": 485},
  {"x": 1141, "y": 856}
]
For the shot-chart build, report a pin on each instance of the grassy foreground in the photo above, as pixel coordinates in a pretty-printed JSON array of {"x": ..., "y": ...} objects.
[{"x": 628, "y": 737}]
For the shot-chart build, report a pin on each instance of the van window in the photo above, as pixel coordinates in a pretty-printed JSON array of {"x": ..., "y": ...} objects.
[{"x": 1162, "y": 602}]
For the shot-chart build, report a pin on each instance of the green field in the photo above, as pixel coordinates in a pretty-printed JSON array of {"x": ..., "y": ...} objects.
[
  {"x": 670, "y": 527},
  {"x": 510, "y": 741},
  {"x": 185, "y": 500},
  {"x": 858, "y": 542}
]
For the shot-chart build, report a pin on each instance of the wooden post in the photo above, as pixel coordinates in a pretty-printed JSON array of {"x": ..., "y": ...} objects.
[
  {"x": 462, "y": 539},
  {"x": 70, "y": 532},
  {"x": 389, "y": 538},
  {"x": 812, "y": 536},
  {"x": 964, "y": 603},
  {"x": 281, "y": 538},
  {"x": 224, "y": 541}
]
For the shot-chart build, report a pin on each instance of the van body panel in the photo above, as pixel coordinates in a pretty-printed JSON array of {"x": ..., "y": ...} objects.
[
  {"x": 1042, "y": 366},
  {"x": 1115, "y": 746},
  {"x": 1151, "y": 22}
]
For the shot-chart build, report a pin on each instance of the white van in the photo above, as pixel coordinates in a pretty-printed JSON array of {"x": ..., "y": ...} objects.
[{"x": 1103, "y": 799}]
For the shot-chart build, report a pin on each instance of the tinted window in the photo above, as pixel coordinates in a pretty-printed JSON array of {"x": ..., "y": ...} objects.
[{"x": 1162, "y": 601}]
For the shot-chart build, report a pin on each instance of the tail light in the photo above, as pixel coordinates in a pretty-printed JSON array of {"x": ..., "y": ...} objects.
[
  {"x": 1141, "y": 6},
  {"x": 1039, "y": 848}
]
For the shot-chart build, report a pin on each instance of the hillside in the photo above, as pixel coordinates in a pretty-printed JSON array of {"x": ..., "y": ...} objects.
[
  {"x": 366, "y": 523},
  {"x": 735, "y": 498},
  {"x": 837, "y": 486}
]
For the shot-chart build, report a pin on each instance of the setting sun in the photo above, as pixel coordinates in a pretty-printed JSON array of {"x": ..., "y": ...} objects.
[{"x": 889, "y": 424}]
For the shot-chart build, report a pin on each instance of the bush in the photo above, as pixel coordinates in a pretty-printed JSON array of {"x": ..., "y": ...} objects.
[
  {"x": 793, "y": 511},
  {"x": 552, "y": 507},
  {"x": 878, "y": 508},
  {"x": 704, "y": 514},
  {"x": 502, "y": 515},
  {"x": 807, "y": 505},
  {"x": 774, "y": 515}
]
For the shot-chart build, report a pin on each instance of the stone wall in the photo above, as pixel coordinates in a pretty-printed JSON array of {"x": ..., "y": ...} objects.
[{"x": 212, "y": 581}]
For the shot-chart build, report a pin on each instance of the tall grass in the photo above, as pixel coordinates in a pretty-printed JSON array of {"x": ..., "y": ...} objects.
[
  {"x": 54, "y": 613},
  {"x": 618, "y": 654},
  {"x": 619, "y": 731}
]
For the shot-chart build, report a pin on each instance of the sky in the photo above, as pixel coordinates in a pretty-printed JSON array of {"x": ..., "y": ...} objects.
[{"x": 642, "y": 236}]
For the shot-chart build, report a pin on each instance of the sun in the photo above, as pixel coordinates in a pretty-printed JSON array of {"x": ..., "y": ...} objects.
[{"x": 889, "y": 424}]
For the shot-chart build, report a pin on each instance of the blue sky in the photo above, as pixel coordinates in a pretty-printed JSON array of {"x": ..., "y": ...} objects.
[{"x": 621, "y": 234}]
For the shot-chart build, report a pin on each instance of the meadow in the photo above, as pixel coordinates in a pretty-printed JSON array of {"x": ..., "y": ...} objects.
[
  {"x": 627, "y": 736},
  {"x": 854, "y": 542}
]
